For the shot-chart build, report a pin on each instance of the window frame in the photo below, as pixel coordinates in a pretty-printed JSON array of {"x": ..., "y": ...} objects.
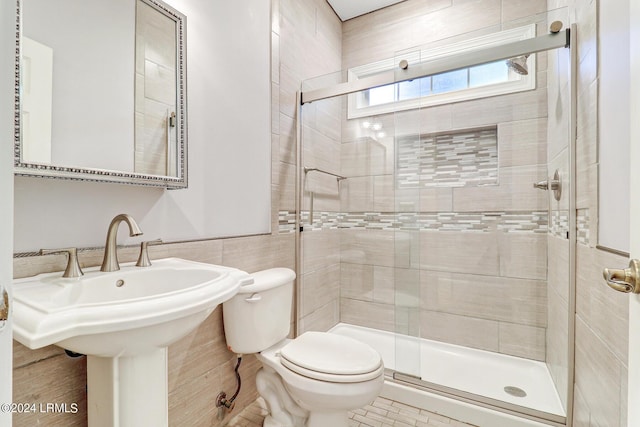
[{"x": 521, "y": 84}]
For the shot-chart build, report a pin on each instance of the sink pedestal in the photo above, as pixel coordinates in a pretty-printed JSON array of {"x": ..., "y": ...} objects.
[{"x": 128, "y": 391}]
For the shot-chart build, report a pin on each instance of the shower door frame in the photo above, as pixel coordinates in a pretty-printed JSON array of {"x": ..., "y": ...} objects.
[{"x": 563, "y": 39}]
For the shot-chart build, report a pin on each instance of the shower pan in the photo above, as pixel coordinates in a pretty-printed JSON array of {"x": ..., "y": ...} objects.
[{"x": 421, "y": 231}]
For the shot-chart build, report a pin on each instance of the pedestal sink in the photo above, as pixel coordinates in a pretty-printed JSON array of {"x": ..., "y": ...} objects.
[{"x": 123, "y": 321}]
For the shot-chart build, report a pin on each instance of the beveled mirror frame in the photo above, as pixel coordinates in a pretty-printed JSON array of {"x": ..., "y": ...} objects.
[{"x": 103, "y": 175}]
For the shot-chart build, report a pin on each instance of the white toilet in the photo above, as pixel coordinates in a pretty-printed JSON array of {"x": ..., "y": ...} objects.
[{"x": 312, "y": 380}]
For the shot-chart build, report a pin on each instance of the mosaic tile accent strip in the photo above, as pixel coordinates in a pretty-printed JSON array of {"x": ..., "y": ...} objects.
[
  {"x": 583, "y": 226},
  {"x": 559, "y": 224},
  {"x": 529, "y": 222},
  {"x": 452, "y": 159},
  {"x": 321, "y": 220},
  {"x": 286, "y": 222}
]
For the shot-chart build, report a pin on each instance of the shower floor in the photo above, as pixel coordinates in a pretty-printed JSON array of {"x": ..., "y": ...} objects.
[{"x": 470, "y": 370}]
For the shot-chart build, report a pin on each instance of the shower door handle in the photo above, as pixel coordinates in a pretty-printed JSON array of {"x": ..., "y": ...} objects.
[
  {"x": 554, "y": 184},
  {"x": 627, "y": 280},
  {"x": 541, "y": 185}
]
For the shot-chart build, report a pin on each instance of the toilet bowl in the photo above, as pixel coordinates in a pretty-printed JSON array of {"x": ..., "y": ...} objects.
[{"x": 312, "y": 380}]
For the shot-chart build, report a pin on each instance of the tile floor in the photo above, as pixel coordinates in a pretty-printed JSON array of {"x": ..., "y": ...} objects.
[{"x": 381, "y": 413}]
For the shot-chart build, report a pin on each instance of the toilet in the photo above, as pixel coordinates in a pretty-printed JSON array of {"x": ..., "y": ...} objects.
[{"x": 312, "y": 380}]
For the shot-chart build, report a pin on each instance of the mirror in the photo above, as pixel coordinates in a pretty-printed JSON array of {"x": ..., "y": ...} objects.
[{"x": 101, "y": 92}]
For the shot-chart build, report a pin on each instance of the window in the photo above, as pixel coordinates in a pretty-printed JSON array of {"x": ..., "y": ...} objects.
[{"x": 478, "y": 81}]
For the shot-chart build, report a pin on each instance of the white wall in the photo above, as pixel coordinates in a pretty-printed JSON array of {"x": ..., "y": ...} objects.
[
  {"x": 7, "y": 22},
  {"x": 229, "y": 107},
  {"x": 613, "y": 125}
]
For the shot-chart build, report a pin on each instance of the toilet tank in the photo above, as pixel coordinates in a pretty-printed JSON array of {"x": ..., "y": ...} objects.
[{"x": 259, "y": 315}]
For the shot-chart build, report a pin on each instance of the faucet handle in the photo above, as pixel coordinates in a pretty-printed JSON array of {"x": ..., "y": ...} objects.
[
  {"x": 143, "y": 258},
  {"x": 73, "y": 267}
]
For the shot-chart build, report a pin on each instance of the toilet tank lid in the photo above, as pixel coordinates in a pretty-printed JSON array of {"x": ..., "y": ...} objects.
[{"x": 268, "y": 279}]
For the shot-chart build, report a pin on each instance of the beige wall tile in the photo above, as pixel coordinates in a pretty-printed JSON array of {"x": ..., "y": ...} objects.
[
  {"x": 384, "y": 290},
  {"x": 523, "y": 255},
  {"x": 209, "y": 251},
  {"x": 289, "y": 84},
  {"x": 275, "y": 111},
  {"x": 522, "y": 341},
  {"x": 319, "y": 249},
  {"x": 287, "y": 140},
  {"x": 424, "y": 120},
  {"x": 558, "y": 266},
  {"x": 515, "y": 9},
  {"x": 560, "y": 163},
  {"x": 329, "y": 118},
  {"x": 191, "y": 404},
  {"x": 433, "y": 200},
  {"x": 598, "y": 373},
  {"x": 605, "y": 311},
  {"x": 374, "y": 247},
  {"x": 515, "y": 192},
  {"x": 475, "y": 252},
  {"x": 323, "y": 319},
  {"x": 587, "y": 19},
  {"x": 507, "y": 108},
  {"x": 461, "y": 330},
  {"x": 371, "y": 315},
  {"x": 520, "y": 301},
  {"x": 356, "y": 194},
  {"x": 522, "y": 143},
  {"x": 193, "y": 355},
  {"x": 366, "y": 156},
  {"x": 587, "y": 126},
  {"x": 413, "y": 24},
  {"x": 56, "y": 379},
  {"x": 319, "y": 287},
  {"x": 287, "y": 186},
  {"x": 23, "y": 356},
  {"x": 326, "y": 191},
  {"x": 581, "y": 414},
  {"x": 384, "y": 193},
  {"x": 257, "y": 253},
  {"x": 557, "y": 337},
  {"x": 586, "y": 150},
  {"x": 320, "y": 151},
  {"x": 357, "y": 281},
  {"x": 559, "y": 116}
]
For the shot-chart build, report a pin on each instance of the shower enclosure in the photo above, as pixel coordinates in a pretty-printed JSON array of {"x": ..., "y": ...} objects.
[{"x": 436, "y": 215}]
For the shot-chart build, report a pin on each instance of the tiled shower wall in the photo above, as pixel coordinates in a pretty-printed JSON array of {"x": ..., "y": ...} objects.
[{"x": 474, "y": 255}]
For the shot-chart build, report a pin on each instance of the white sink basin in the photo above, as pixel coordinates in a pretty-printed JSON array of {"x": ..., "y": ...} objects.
[
  {"x": 123, "y": 321},
  {"x": 122, "y": 313}
]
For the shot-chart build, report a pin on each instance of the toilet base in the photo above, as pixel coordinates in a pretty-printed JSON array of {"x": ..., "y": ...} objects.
[{"x": 283, "y": 411}]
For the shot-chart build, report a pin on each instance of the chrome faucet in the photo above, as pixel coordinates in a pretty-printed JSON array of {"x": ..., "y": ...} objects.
[{"x": 110, "y": 260}]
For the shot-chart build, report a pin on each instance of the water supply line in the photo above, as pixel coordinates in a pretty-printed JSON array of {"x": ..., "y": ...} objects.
[{"x": 221, "y": 401}]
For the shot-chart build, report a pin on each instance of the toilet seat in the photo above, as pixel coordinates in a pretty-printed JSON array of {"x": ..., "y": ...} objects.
[{"x": 331, "y": 358}]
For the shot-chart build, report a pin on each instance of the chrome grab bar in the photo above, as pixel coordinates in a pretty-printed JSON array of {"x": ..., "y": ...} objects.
[{"x": 338, "y": 177}]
